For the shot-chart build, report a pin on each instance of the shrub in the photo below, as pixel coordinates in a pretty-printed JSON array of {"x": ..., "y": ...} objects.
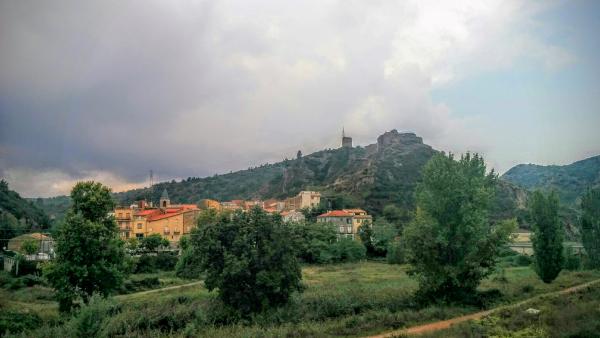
[
  {"x": 395, "y": 253},
  {"x": 25, "y": 267},
  {"x": 15, "y": 322},
  {"x": 188, "y": 265},
  {"x": 522, "y": 260},
  {"x": 91, "y": 319},
  {"x": 572, "y": 260},
  {"x": 151, "y": 263},
  {"x": 349, "y": 250}
]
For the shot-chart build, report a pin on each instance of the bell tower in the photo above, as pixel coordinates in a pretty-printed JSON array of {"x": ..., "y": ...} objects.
[
  {"x": 346, "y": 140},
  {"x": 164, "y": 202}
]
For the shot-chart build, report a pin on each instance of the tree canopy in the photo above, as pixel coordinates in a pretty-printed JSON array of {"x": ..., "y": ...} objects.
[
  {"x": 249, "y": 258},
  {"x": 451, "y": 244},
  {"x": 547, "y": 239},
  {"x": 590, "y": 226},
  {"x": 89, "y": 254}
]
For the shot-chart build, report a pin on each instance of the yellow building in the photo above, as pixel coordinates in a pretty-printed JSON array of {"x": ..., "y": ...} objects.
[
  {"x": 210, "y": 204},
  {"x": 347, "y": 220},
  {"x": 304, "y": 199},
  {"x": 169, "y": 221}
]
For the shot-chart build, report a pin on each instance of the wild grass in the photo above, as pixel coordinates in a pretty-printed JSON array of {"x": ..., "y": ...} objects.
[
  {"x": 572, "y": 315},
  {"x": 342, "y": 300}
]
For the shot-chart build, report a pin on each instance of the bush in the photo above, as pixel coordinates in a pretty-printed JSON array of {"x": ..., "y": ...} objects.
[
  {"x": 349, "y": 250},
  {"x": 188, "y": 265},
  {"x": 25, "y": 267},
  {"x": 164, "y": 261},
  {"x": 395, "y": 253},
  {"x": 523, "y": 260},
  {"x": 572, "y": 260},
  {"x": 91, "y": 319},
  {"x": 15, "y": 322},
  {"x": 31, "y": 280}
]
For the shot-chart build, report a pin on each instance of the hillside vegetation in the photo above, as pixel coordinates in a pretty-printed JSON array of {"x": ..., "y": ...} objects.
[
  {"x": 370, "y": 177},
  {"x": 16, "y": 208},
  {"x": 569, "y": 181}
]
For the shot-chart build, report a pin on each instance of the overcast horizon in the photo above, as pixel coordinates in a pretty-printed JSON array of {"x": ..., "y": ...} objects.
[{"x": 108, "y": 90}]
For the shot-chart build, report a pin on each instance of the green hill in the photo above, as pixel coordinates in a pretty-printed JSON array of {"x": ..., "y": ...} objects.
[
  {"x": 18, "y": 215},
  {"x": 570, "y": 181},
  {"x": 370, "y": 177}
]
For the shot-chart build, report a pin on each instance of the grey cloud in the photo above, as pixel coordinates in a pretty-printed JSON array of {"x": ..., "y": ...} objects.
[{"x": 196, "y": 88}]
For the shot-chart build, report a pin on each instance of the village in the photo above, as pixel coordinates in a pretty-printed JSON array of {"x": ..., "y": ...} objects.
[{"x": 172, "y": 221}]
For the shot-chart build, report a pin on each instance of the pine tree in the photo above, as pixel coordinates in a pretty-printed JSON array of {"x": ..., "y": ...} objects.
[{"x": 547, "y": 236}]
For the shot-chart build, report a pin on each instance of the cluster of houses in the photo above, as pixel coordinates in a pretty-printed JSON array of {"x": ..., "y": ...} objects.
[{"x": 172, "y": 221}]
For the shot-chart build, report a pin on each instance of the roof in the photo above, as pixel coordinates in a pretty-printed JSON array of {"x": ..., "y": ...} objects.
[
  {"x": 336, "y": 213},
  {"x": 146, "y": 212},
  {"x": 355, "y": 211},
  {"x": 165, "y": 195}
]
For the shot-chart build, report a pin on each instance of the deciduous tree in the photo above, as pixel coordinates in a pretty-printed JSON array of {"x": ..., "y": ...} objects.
[
  {"x": 547, "y": 236},
  {"x": 451, "y": 244},
  {"x": 249, "y": 259},
  {"x": 590, "y": 226},
  {"x": 89, "y": 253}
]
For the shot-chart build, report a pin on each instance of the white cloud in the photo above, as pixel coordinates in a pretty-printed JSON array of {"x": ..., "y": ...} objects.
[{"x": 195, "y": 88}]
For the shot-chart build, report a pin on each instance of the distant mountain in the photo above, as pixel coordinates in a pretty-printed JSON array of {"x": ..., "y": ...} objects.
[
  {"x": 570, "y": 181},
  {"x": 19, "y": 211}
]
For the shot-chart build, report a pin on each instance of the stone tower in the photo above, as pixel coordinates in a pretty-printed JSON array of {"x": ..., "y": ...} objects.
[
  {"x": 346, "y": 141},
  {"x": 164, "y": 202}
]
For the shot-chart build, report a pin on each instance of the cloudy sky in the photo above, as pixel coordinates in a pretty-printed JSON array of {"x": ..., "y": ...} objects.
[{"x": 108, "y": 90}]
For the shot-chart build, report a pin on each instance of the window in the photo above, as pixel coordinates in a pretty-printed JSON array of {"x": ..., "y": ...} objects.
[
  {"x": 127, "y": 215},
  {"x": 347, "y": 220},
  {"x": 139, "y": 235},
  {"x": 349, "y": 230},
  {"x": 120, "y": 215},
  {"x": 341, "y": 229},
  {"x": 139, "y": 225}
]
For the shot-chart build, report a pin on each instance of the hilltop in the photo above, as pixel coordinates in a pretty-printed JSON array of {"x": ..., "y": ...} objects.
[
  {"x": 371, "y": 177},
  {"x": 570, "y": 181}
]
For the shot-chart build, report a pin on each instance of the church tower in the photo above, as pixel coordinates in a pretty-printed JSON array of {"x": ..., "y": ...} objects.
[
  {"x": 165, "y": 202},
  {"x": 346, "y": 141}
]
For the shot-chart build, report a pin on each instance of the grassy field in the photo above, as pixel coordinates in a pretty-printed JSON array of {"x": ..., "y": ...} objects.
[
  {"x": 573, "y": 315},
  {"x": 348, "y": 300}
]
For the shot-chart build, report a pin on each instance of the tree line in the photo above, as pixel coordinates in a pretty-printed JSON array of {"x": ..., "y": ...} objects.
[{"x": 253, "y": 259}]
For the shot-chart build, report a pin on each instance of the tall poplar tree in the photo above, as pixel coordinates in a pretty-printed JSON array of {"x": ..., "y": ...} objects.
[
  {"x": 452, "y": 245},
  {"x": 547, "y": 236},
  {"x": 590, "y": 226}
]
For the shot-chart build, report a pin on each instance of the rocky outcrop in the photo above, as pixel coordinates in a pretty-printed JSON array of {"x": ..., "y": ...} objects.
[{"x": 394, "y": 138}]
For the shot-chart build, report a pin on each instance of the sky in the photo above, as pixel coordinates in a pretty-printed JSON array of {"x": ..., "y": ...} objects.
[{"x": 108, "y": 90}]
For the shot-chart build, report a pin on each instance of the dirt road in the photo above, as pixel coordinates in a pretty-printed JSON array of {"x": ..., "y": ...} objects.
[
  {"x": 444, "y": 324},
  {"x": 174, "y": 287}
]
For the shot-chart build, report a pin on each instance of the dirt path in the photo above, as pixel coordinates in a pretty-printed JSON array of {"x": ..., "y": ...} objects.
[
  {"x": 444, "y": 324},
  {"x": 174, "y": 287}
]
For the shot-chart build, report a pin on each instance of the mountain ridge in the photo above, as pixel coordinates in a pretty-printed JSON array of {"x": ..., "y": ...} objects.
[{"x": 570, "y": 180}]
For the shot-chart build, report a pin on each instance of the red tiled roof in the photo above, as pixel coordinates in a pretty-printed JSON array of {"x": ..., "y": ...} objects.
[
  {"x": 146, "y": 212},
  {"x": 336, "y": 213}
]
